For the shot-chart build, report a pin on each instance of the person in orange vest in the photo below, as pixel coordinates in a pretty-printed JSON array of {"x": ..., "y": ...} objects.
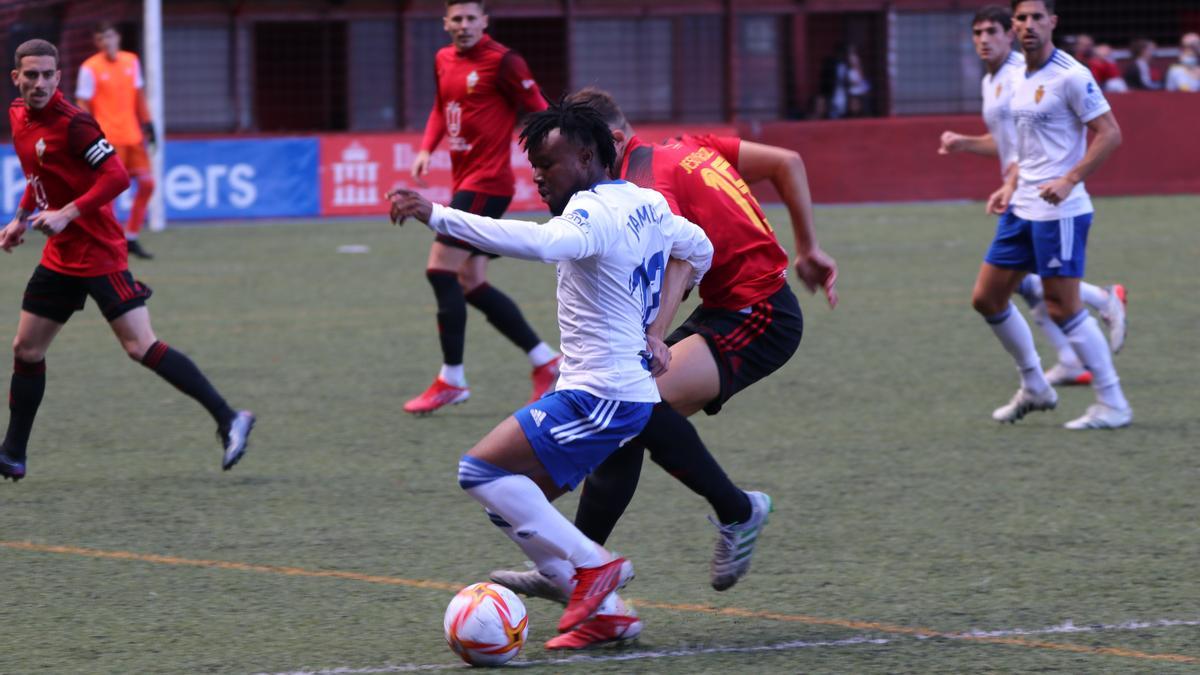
[{"x": 111, "y": 88}]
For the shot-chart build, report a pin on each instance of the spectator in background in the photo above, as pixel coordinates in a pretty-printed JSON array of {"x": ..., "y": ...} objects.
[
  {"x": 1191, "y": 40},
  {"x": 1185, "y": 74},
  {"x": 1139, "y": 74},
  {"x": 1104, "y": 68},
  {"x": 844, "y": 87}
]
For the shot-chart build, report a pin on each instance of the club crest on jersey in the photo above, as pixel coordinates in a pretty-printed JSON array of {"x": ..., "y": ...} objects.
[
  {"x": 527, "y": 84},
  {"x": 998, "y": 88},
  {"x": 40, "y": 148},
  {"x": 472, "y": 80},
  {"x": 1039, "y": 94}
]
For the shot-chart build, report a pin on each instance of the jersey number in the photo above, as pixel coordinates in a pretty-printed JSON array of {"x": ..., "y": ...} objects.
[
  {"x": 39, "y": 192},
  {"x": 718, "y": 177},
  {"x": 647, "y": 279}
]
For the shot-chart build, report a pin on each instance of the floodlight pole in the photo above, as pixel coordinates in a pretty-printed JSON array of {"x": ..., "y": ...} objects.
[{"x": 152, "y": 51}]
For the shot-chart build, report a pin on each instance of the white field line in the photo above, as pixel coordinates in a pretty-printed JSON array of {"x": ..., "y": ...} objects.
[{"x": 1067, "y": 627}]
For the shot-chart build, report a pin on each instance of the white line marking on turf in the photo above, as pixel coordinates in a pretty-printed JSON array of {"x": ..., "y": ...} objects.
[
  {"x": 585, "y": 658},
  {"x": 1070, "y": 627},
  {"x": 1066, "y": 627}
]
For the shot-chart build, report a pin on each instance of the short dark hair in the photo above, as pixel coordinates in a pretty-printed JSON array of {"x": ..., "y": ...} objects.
[
  {"x": 603, "y": 102},
  {"x": 35, "y": 47},
  {"x": 578, "y": 122},
  {"x": 482, "y": 7},
  {"x": 104, "y": 27},
  {"x": 1050, "y": 4},
  {"x": 993, "y": 14}
]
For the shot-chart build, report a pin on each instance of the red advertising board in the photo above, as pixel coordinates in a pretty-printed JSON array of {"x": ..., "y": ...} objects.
[{"x": 357, "y": 169}]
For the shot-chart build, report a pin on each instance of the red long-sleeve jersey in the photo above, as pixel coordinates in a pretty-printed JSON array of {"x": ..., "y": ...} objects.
[
  {"x": 66, "y": 159},
  {"x": 698, "y": 176},
  {"x": 479, "y": 93}
]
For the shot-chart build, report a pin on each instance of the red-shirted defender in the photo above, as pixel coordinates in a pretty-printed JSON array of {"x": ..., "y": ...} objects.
[
  {"x": 72, "y": 175},
  {"x": 747, "y": 326},
  {"x": 481, "y": 87}
]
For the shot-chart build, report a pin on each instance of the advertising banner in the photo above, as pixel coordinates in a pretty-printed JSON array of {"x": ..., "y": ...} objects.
[
  {"x": 357, "y": 169},
  {"x": 215, "y": 179}
]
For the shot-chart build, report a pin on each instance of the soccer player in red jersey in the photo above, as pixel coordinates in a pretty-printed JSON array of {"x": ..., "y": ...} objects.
[
  {"x": 481, "y": 87},
  {"x": 72, "y": 175},
  {"x": 747, "y": 326}
]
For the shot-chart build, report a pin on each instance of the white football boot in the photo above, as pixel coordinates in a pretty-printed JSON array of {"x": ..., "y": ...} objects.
[
  {"x": 1023, "y": 402},
  {"x": 1114, "y": 317},
  {"x": 1100, "y": 416},
  {"x": 532, "y": 583}
]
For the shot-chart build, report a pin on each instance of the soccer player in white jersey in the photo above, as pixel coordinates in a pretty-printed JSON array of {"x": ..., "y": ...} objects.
[
  {"x": 617, "y": 247},
  {"x": 1045, "y": 216},
  {"x": 991, "y": 34}
]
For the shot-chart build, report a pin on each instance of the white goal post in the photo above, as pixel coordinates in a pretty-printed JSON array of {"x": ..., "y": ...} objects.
[{"x": 152, "y": 54}]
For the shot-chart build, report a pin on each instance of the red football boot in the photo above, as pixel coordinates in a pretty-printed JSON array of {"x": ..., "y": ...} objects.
[
  {"x": 544, "y": 377},
  {"x": 592, "y": 586},
  {"x": 439, "y": 394}
]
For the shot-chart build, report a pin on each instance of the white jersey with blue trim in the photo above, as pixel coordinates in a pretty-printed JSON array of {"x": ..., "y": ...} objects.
[
  {"x": 1051, "y": 108},
  {"x": 611, "y": 245},
  {"x": 998, "y": 90}
]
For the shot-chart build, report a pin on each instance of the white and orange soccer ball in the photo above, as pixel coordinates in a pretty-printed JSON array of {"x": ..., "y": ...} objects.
[{"x": 486, "y": 625}]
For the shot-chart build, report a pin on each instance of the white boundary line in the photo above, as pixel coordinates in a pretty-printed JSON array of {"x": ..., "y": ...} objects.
[{"x": 1067, "y": 627}]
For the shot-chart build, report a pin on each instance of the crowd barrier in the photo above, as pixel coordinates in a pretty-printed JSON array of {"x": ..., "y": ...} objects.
[{"x": 854, "y": 161}]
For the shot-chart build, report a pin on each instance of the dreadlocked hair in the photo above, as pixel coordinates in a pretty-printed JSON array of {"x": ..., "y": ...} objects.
[{"x": 578, "y": 122}]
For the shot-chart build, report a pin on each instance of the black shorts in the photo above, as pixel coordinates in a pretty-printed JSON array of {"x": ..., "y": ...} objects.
[
  {"x": 749, "y": 344},
  {"x": 56, "y": 296},
  {"x": 480, "y": 204}
]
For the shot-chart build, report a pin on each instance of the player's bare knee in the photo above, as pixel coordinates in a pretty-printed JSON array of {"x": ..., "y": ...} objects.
[
  {"x": 987, "y": 305},
  {"x": 136, "y": 349},
  {"x": 26, "y": 352}
]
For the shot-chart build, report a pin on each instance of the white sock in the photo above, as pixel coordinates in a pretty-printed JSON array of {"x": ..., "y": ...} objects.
[
  {"x": 614, "y": 605},
  {"x": 1031, "y": 290},
  {"x": 1012, "y": 330},
  {"x": 521, "y": 503},
  {"x": 1093, "y": 296},
  {"x": 1090, "y": 344},
  {"x": 550, "y": 565},
  {"x": 1066, "y": 353},
  {"x": 453, "y": 375},
  {"x": 541, "y": 354}
]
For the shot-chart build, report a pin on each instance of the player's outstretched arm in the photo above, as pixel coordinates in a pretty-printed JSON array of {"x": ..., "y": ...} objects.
[
  {"x": 952, "y": 142},
  {"x": 785, "y": 169},
  {"x": 558, "y": 239},
  {"x": 1106, "y": 138}
]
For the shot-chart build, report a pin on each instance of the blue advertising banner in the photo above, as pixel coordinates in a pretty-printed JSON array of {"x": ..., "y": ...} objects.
[{"x": 218, "y": 179}]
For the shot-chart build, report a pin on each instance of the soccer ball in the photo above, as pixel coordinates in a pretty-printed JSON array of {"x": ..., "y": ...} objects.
[{"x": 486, "y": 625}]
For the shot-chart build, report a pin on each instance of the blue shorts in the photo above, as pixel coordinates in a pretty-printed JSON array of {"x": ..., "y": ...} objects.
[
  {"x": 573, "y": 432},
  {"x": 1051, "y": 248}
]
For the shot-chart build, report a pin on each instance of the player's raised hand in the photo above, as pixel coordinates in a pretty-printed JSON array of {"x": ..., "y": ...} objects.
[
  {"x": 951, "y": 142},
  {"x": 12, "y": 235},
  {"x": 409, "y": 203},
  {"x": 420, "y": 167},
  {"x": 51, "y": 223},
  {"x": 817, "y": 270}
]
